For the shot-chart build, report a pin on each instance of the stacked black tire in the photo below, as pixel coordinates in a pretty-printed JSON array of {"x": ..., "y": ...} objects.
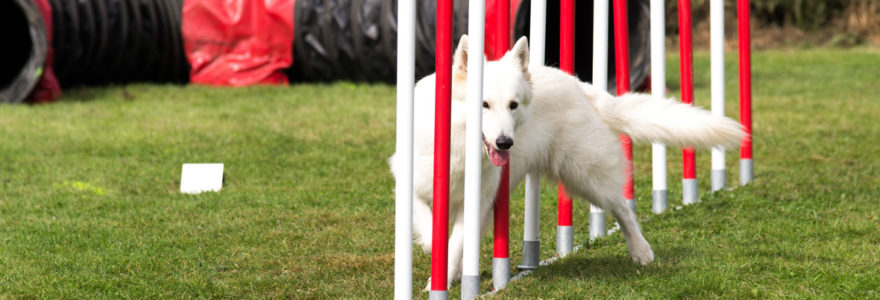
[
  {"x": 118, "y": 41},
  {"x": 357, "y": 39}
]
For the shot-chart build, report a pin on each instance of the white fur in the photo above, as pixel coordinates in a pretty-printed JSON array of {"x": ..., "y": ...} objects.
[{"x": 562, "y": 128}]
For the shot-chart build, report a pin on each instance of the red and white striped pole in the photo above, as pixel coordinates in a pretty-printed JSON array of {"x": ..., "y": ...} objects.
[
  {"x": 564, "y": 230},
  {"x": 443, "y": 96},
  {"x": 501, "y": 253},
  {"x": 689, "y": 171},
  {"x": 746, "y": 166},
  {"x": 621, "y": 55}
]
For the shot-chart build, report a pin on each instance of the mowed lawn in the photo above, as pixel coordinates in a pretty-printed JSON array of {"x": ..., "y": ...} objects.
[{"x": 90, "y": 208}]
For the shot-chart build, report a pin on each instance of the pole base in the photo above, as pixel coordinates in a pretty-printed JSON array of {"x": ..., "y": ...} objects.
[
  {"x": 470, "y": 286},
  {"x": 438, "y": 295},
  {"x": 746, "y": 171},
  {"x": 531, "y": 255},
  {"x": 564, "y": 240},
  {"x": 660, "y": 201},
  {"x": 500, "y": 272},
  {"x": 689, "y": 191},
  {"x": 719, "y": 179}
]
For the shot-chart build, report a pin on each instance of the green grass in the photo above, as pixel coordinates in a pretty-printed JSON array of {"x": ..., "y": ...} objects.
[{"x": 90, "y": 208}]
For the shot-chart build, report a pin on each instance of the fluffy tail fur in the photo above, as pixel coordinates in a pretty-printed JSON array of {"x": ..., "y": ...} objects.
[{"x": 667, "y": 121}]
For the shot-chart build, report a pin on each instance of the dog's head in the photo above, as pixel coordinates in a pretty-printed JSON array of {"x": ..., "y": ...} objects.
[{"x": 507, "y": 92}]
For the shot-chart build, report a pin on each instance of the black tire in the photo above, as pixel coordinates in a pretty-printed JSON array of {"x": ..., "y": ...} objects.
[{"x": 21, "y": 67}]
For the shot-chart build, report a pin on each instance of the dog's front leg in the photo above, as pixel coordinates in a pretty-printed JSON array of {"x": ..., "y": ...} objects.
[{"x": 456, "y": 244}]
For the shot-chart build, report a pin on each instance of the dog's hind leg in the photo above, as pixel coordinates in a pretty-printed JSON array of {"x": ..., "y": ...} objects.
[
  {"x": 456, "y": 239},
  {"x": 605, "y": 193},
  {"x": 422, "y": 224},
  {"x": 639, "y": 248}
]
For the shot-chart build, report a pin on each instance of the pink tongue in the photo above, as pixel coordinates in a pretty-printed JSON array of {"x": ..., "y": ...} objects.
[{"x": 499, "y": 158}]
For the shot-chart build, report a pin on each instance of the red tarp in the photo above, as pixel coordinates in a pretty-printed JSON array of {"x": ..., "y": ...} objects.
[
  {"x": 47, "y": 88},
  {"x": 238, "y": 42}
]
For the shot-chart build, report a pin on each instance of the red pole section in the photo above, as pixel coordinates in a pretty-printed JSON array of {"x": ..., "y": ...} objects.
[
  {"x": 745, "y": 77},
  {"x": 687, "y": 79},
  {"x": 621, "y": 55},
  {"x": 502, "y": 216},
  {"x": 502, "y": 200},
  {"x": 443, "y": 103},
  {"x": 566, "y": 64}
]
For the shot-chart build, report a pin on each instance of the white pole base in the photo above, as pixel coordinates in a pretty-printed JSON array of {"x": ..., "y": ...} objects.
[
  {"x": 660, "y": 201},
  {"x": 564, "y": 240},
  {"x": 531, "y": 255},
  {"x": 719, "y": 179},
  {"x": 746, "y": 171},
  {"x": 689, "y": 191},
  {"x": 470, "y": 286},
  {"x": 597, "y": 224},
  {"x": 438, "y": 295},
  {"x": 500, "y": 272}
]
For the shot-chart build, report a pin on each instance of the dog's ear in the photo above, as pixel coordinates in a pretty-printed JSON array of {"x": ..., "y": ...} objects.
[
  {"x": 459, "y": 59},
  {"x": 520, "y": 53},
  {"x": 519, "y": 56}
]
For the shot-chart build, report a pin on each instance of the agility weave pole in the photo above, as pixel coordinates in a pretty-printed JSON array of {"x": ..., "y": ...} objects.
[
  {"x": 403, "y": 186},
  {"x": 659, "y": 192},
  {"x": 564, "y": 230},
  {"x": 501, "y": 242},
  {"x": 746, "y": 165},
  {"x": 531, "y": 247},
  {"x": 600, "y": 81},
  {"x": 621, "y": 66},
  {"x": 689, "y": 169},
  {"x": 442, "y": 111},
  {"x": 716, "y": 48},
  {"x": 470, "y": 275}
]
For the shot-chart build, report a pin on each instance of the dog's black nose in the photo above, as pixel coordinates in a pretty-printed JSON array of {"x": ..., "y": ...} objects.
[{"x": 504, "y": 142}]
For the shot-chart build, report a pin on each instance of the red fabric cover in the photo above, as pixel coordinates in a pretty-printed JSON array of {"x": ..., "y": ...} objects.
[
  {"x": 47, "y": 88},
  {"x": 238, "y": 42}
]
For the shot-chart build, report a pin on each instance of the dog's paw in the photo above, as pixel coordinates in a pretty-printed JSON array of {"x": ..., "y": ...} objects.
[{"x": 642, "y": 256}]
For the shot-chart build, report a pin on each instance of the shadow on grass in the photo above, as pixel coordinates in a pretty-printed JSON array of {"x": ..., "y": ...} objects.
[{"x": 613, "y": 267}]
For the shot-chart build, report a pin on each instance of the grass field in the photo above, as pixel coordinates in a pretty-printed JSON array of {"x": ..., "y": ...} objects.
[{"x": 90, "y": 208}]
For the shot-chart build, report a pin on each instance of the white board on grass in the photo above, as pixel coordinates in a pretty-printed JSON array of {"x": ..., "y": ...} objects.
[{"x": 197, "y": 178}]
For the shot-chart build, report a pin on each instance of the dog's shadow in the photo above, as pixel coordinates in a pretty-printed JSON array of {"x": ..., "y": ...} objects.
[{"x": 618, "y": 267}]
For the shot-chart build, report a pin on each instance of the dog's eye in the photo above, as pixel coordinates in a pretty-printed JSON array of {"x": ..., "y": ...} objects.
[
  {"x": 513, "y": 105},
  {"x": 485, "y": 104}
]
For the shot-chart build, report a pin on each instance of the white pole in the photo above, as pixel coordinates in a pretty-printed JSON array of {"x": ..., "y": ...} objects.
[
  {"x": 531, "y": 244},
  {"x": 470, "y": 276},
  {"x": 658, "y": 90},
  {"x": 600, "y": 81},
  {"x": 537, "y": 29},
  {"x": 716, "y": 23},
  {"x": 403, "y": 195}
]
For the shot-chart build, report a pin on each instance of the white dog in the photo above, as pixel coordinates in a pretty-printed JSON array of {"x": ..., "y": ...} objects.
[{"x": 544, "y": 121}]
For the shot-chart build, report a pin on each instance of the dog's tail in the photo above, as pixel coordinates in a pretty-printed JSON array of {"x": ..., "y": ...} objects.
[{"x": 647, "y": 119}]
